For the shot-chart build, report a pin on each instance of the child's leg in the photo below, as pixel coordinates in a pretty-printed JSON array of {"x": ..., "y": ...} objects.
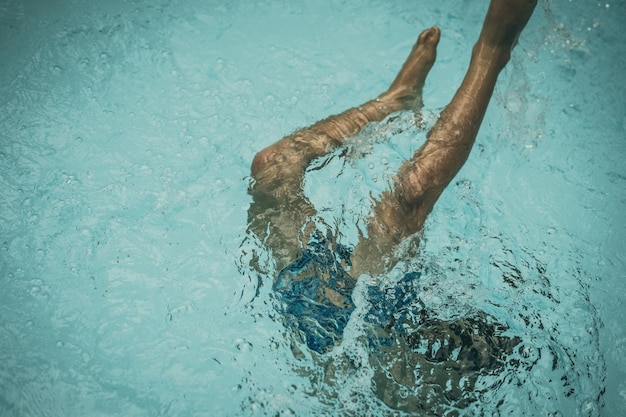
[{"x": 420, "y": 181}]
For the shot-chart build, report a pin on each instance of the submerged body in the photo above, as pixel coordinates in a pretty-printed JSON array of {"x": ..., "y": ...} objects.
[{"x": 317, "y": 276}]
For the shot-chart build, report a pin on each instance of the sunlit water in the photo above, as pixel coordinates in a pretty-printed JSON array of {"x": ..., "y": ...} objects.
[{"x": 127, "y": 130}]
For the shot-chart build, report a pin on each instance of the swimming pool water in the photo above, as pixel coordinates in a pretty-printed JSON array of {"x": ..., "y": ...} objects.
[{"x": 127, "y": 132}]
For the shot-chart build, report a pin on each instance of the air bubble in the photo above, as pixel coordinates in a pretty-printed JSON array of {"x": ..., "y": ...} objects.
[
  {"x": 589, "y": 408},
  {"x": 529, "y": 353}
]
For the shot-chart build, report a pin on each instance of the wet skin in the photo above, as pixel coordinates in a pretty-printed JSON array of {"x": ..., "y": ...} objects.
[{"x": 280, "y": 214}]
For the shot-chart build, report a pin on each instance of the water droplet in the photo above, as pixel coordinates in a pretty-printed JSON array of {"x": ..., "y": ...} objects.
[{"x": 243, "y": 345}]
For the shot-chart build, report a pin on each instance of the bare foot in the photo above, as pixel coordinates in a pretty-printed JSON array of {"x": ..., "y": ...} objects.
[
  {"x": 503, "y": 24},
  {"x": 407, "y": 87}
]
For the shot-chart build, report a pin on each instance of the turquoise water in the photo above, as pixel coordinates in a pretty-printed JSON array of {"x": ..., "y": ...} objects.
[{"x": 127, "y": 132}]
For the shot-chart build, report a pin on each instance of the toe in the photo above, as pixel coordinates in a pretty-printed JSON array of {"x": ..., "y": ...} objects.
[{"x": 430, "y": 36}]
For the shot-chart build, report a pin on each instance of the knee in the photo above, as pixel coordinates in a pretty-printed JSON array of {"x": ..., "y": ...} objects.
[{"x": 262, "y": 160}]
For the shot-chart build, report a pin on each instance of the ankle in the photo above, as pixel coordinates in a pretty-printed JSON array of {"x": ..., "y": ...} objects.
[
  {"x": 387, "y": 101},
  {"x": 399, "y": 98}
]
